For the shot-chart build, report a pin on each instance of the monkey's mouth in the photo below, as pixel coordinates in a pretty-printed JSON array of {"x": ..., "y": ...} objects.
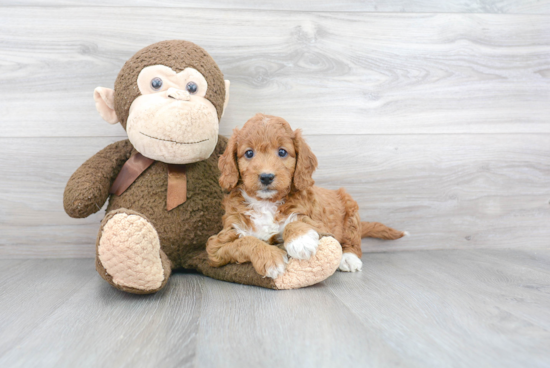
[{"x": 171, "y": 141}]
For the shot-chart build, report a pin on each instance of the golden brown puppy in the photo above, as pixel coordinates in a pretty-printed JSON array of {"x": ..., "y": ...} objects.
[{"x": 268, "y": 167}]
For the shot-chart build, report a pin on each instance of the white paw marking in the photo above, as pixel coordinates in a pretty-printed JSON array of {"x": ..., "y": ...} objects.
[
  {"x": 274, "y": 272},
  {"x": 406, "y": 233},
  {"x": 303, "y": 247},
  {"x": 350, "y": 263}
]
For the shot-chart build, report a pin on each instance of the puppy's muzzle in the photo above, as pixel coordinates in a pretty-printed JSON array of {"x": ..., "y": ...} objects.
[{"x": 266, "y": 179}]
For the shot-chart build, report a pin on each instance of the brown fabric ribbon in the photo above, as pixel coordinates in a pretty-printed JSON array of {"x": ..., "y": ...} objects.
[
  {"x": 130, "y": 172},
  {"x": 137, "y": 164},
  {"x": 177, "y": 186}
]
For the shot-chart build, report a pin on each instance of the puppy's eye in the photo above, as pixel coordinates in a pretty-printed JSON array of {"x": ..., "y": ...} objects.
[
  {"x": 282, "y": 152},
  {"x": 156, "y": 83},
  {"x": 249, "y": 154}
]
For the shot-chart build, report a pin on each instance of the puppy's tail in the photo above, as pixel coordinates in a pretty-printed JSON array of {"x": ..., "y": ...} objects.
[{"x": 381, "y": 231}]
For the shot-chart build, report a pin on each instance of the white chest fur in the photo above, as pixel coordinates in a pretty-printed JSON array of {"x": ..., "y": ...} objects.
[{"x": 265, "y": 222}]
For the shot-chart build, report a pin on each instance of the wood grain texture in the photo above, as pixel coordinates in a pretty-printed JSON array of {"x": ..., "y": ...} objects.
[
  {"x": 28, "y": 284},
  {"x": 98, "y": 325},
  {"x": 448, "y": 191},
  {"x": 310, "y": 328},
  {"x": 359, "y": 73},
  {"x": 447, "y": 308},
  {"x": 463, "y": 308},
  {"x": 400, "y": 6},
  {"x": 32, "y": 219}
]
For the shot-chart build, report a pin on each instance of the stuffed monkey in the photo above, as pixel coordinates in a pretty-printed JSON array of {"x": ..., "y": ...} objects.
[{"x": 162, "y": 182}]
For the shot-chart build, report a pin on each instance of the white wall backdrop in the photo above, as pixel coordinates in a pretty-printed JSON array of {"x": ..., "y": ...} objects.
[{"x": 434, "y": 115}]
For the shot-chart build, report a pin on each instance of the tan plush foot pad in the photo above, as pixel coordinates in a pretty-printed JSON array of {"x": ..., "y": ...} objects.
[
  {"x": 301, "y": 273},
  {"x": 129, "y": 250}
]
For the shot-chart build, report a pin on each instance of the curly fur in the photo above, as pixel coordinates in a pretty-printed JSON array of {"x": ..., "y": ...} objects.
[{"x": 291, "y": 194}]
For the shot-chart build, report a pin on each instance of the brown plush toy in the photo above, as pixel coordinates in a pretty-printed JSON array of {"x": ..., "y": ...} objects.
[{"x": 162, "y": 182}]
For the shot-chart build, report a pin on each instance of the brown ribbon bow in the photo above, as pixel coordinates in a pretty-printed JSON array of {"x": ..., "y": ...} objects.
[{"x": 137, "y": 164}]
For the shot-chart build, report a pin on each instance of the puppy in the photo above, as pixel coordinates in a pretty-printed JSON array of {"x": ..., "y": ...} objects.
[{"x": 267, "y": 169}]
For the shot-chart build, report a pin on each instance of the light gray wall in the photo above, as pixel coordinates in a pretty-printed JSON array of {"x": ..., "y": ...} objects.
[{"x": 434, "y": 115}]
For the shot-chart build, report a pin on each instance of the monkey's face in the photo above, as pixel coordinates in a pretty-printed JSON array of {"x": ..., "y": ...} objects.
[
  {"x": 169, "y": 97},
  {"x": 172, "y": 121}
]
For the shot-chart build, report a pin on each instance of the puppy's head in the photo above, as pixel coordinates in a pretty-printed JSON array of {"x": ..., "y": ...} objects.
[{"x": 268, "y": 158}]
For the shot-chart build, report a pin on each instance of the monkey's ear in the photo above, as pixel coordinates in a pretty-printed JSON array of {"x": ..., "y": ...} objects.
[
  {"x": 227, "y": 83},
  {"x": 105, "y": 104}
]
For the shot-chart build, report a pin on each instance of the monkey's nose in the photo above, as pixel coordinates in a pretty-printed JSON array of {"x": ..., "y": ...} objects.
[
  {"x": 178, "y": 94},
  {"x": 266, "y": 179}
]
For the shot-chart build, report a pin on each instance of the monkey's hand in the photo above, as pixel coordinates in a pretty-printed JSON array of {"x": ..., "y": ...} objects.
[{"x": 88, "y": 188}]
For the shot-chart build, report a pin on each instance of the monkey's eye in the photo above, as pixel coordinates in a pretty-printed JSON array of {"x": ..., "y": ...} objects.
[
  {"x": 249, "y": 154},
  {"x": 282, "y": 152},
  {"x": 156, "y": 83},
  {"x": 192, "y": 87}
]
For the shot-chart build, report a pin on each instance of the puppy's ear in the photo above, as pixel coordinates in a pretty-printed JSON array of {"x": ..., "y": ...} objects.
[
  {"x": 306, "y": 163},
  {"x": 228, "y": 164}
]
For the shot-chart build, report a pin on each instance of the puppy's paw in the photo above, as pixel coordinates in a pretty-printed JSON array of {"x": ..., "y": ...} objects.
[
  {"x": 304, "y": 246},
  {"x": 276, "y": 271},
  {"x": 350, "y": 263},
  {"x": 272, "y": 263}
]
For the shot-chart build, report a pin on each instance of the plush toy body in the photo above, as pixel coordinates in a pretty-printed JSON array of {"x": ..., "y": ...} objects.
[
  {"x": 184, "y": 230},
  {"x": 162, "y": 183},
  {"x": 138, "y": 228}
]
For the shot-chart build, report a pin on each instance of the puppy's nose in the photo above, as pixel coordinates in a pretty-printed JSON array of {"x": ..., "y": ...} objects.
[{"x": 266, "y": 179}]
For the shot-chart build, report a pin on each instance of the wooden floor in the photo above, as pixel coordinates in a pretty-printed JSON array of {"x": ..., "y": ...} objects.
[{"x": 438, "y": 308}]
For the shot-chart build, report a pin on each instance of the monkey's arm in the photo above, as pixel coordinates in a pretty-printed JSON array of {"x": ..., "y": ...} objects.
[{"x": 88, "y": 188}]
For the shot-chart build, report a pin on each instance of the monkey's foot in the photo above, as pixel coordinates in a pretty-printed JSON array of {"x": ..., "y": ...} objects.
[
  {"x": 301, "y": 273},
  {"x": 129, "y": 255}
]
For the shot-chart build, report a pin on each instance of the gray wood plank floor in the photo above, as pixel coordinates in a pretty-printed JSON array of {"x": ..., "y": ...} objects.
[{"x": 446, "y": 308}]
